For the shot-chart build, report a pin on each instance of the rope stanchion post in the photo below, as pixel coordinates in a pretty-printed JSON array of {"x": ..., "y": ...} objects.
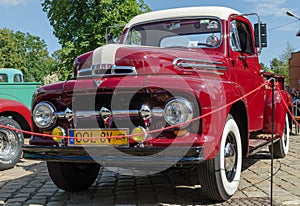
[{"x": 272, "y": 81}]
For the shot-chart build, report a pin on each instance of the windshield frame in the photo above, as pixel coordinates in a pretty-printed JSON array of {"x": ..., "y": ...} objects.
[{"x": 181, "y": 19}]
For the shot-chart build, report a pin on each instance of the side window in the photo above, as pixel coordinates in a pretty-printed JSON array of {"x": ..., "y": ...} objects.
[
  {"x": 234, "y": 37},
  {"x": 17, "y": 78},
  {"x": 135, "y": 38},
  {"x": 240, "y": 37},
  {"x": 3, "y": 78}
]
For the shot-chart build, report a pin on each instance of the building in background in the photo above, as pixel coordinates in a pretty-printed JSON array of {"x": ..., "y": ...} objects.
[{"x": 294, "y": 70}]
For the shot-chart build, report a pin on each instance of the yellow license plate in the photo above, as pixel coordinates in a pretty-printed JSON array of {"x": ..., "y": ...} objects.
[{"x": 99, "y": 137}]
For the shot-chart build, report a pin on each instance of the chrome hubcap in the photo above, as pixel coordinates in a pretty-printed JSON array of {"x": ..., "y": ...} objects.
[
  {"x": 8, "y": 144},
  {"x": 1, "y": 142},
  {"x": 230, "y": 157}
]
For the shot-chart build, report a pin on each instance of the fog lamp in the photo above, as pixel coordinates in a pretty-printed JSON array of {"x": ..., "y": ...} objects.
[
  {"x": 140, "y": 134},
  {"x": 58, "y": 131}
]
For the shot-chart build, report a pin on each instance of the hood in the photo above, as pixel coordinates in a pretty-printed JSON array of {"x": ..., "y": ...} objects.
[{"x": 141, "y": 60}]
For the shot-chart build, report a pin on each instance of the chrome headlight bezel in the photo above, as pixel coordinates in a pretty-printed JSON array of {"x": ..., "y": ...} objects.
[
  {"x": 43, "y": 115},
  {"x": 178, "y": 110}
]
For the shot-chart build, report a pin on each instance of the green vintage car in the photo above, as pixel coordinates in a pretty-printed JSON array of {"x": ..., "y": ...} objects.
[
  {"x": 15, "y": 106},
  {"x": 13, "y": 87}
]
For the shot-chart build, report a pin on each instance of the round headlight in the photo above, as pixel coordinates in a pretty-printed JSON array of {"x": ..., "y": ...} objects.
[
  {"x": 177, "y": 111},
  {"x": 43, "y": 114}
]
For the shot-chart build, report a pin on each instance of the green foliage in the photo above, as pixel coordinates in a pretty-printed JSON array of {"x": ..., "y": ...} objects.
[
  {"x": 264, "y": 67},
  {"x": 10, "y": 56},
  {"x": 280, "y": 65},
  {"x": 64, "y": 59},
  {"x": 25, "y": 52},
  {"x": 80, "y": 25}
]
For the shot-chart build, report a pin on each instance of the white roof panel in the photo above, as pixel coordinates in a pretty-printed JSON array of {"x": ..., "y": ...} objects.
[{"x": 216, "y": 11}]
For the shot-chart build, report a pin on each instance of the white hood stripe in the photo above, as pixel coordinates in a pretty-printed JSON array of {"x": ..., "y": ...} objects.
[{"x": 106, "y": 54}]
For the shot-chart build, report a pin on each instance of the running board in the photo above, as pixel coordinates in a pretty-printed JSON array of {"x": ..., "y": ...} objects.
[{"x": 262, "y": 140}]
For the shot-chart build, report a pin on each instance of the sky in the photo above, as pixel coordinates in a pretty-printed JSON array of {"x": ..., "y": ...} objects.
[{"x": 27, "y": 16}]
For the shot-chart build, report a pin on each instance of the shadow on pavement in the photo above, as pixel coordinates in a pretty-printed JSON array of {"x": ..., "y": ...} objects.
[{"x": 34, "y": 186}]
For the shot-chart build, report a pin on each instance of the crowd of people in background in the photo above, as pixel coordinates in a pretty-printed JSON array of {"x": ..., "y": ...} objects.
[{"x": 295, "y": 93}]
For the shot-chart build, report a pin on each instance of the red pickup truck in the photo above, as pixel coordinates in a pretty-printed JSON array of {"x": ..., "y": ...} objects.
[{"x": 182, "y": 89}]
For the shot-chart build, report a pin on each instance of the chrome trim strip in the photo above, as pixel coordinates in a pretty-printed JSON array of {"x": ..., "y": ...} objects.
[
  {"x": 202, "y": 64},
  {"x": 155, "y": 112},
  {"x": 175, "y": 61},
  {"x": 86, "y": 114},
  {"x": 60, "y": 115},
  {"x": 114, "y": 113},
  {"x": 199, "y": 66},
  {"x": 84, "y": 70},
  {"x": 113, "y": 70}
]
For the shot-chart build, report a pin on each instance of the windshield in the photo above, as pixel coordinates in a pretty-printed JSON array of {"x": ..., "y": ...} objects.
[{"x": 189, "y": 33}]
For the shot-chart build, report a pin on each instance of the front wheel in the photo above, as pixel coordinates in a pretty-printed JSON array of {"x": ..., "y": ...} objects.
[
  {"x": 71, "y": 176},
  {"x": 281, "y": 147},
  {"x": 11, "y": 143},
  {"x": 219, "y": 177}
]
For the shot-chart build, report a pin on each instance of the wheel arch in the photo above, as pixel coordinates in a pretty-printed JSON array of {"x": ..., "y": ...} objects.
[
  {"x": 239, "y": 113},
  {"x": 18, "y": 118}
]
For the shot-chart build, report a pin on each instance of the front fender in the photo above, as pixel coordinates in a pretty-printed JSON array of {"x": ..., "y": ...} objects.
[
  {"x": 18, "y": 112},
  {"x": 215, "y": 98}
]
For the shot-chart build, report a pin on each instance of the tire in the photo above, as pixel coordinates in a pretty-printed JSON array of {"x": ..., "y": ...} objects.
[
  {"x": 219, "y": 177},
  {"x": 281, "y": 147},
  {"x": 11, "y": 143},
  {"x": 71, "y": 176}
]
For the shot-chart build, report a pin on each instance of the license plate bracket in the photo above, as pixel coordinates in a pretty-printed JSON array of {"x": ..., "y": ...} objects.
[{"x": 114, "y": 137}]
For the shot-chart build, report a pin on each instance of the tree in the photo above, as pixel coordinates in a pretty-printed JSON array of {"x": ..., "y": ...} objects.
[
  {"x": 10, "y": 56},
  {"x": 80, "y": 25},
  {"x": 280, "y": 65},
  {"x": 286, "y": 54},
  {"x": 264, "y": 67},
  {"x": 25, "y": 52}
]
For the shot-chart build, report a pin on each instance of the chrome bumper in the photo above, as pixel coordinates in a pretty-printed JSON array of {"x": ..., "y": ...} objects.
[{"x": 134, "y": 156}]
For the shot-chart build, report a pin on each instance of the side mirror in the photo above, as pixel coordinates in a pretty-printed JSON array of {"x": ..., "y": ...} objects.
[
  {"x": 113, "y": 34},
  {"x": 109, "y": 39},
  {"x": 260, "y": 31}
]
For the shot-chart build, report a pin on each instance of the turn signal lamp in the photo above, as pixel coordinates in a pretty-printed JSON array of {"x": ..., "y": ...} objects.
[
  {"x": 180, "y": 133},
  {"x": 58, "y": 131},
  {"x": 140, "y": 134}
]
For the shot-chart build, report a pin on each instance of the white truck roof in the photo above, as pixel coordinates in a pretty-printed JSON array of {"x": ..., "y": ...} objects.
[{"x": 209, "y": 11}]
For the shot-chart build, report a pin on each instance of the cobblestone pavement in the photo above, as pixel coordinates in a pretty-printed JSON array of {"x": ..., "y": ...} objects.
[{"x": 28, "y": 183}]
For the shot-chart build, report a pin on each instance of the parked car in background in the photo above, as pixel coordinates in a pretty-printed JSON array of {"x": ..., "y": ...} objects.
[
  {"x": 15, "y": 115},
  {"x": 13, "y": 86},
  {"x": 15, "y": 104}
]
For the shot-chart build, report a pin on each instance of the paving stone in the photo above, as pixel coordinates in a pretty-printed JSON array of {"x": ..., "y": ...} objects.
[
  {"x": 5, "y": 194},
  {"x": 29, "y": 184},
  {"x": 17, "y": 200},
  {"x": 56, "y": 203}
]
